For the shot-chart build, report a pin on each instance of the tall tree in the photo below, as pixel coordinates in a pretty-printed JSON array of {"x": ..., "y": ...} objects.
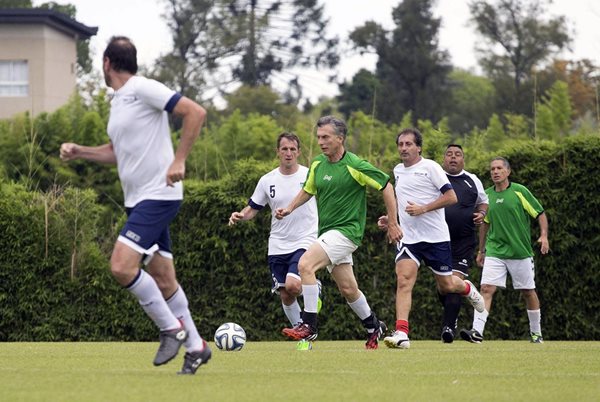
[
  {"x": 411, "y": 68},
  {"x": 517, "y": 37}
]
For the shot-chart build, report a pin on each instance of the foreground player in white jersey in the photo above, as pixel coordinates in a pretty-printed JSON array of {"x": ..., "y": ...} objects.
[
  {"x": 422, "y": 192},
  {"x": 150, "y": 173},
  {"x": 289, "y": 238}
]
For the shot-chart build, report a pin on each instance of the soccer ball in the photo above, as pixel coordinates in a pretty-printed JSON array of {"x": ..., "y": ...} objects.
[{"x": 230, "y": 336}]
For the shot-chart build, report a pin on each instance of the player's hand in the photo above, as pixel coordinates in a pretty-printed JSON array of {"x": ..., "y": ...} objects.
[
  {"x": 382, "y": 222},
  {"x": 478, "y": 218},
  {"x": 281, "y": 213},
  {"x": 175, "y": 173},
  {"x": 394, "y": 232},
  {"x": 414, "y": 209},
  {"x": 69, "y": 151},
  {"x": 480, "y": 259},
  {"x": 235, "y": 217},
  {"x": 544, "y": 244}
]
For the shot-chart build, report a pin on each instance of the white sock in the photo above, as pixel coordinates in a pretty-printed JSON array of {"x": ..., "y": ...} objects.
[
  {"x": 150, "y": 298},
  {"x": 535, "y": 320},
  {"x": 178, "y": 303},
  {"x": 479, "y": 320},
  {"x": 361, "y": 307},
  {"x": 311, "y": 297},
  {"x": 292, "y": 312}
]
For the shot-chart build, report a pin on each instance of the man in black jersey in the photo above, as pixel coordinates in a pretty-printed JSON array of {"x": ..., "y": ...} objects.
[{"x": 461, "y": 217}]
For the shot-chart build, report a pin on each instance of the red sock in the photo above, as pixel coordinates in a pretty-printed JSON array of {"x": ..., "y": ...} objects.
[
  {"x": 467, "y": 289},
  {"x": 402, "y": 325}
]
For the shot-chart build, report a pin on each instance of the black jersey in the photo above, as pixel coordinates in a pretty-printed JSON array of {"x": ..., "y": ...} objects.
[{"x": 459, "y": 216}]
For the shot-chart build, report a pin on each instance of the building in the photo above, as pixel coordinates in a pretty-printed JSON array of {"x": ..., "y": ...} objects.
[{"x": 38, "y": 59}]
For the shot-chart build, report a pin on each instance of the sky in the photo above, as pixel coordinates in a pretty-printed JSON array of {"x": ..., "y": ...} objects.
[{"x": 141, "y": 21}]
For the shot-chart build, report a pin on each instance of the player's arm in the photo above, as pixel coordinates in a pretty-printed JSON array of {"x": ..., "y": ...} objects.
[
  {"x": 447, "y": 198},
  {"x": 101, "y": 153},
  {"x": 193, "y": 118},
  {"x": 543, "y": 239},
  {"x": 244, "y": 215},
  {"x": 483, "y": 229},
  {"x": 394, "y": 232},
  {"x": 300, "y": 199}
]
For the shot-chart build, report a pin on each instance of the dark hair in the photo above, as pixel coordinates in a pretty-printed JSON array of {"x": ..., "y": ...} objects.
[
  {"x": 413, "y": 131},
  {"x": 122, "y": 54},
  {"x": 339, "y": 126},
  {"x": 454, "y": 145},
  {"x": 504, "y": 161},
  {"x": 289, "y": 136}
]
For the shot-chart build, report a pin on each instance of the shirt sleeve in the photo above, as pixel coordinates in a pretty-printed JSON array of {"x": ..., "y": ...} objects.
[
  {"x": 155, "y": 93},
  {"x": 439, "y": 178},
  {"x": 482, "y": 197},
  {"x": 368, "y": 175},
  {"x": 258, "y": 200}
]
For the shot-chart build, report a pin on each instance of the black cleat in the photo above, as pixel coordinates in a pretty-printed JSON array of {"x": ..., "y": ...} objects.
[
  {"x": 193, "y": 360},
  {"x": 170, "y": 342},
  {"x": 471, "y": 335},
  {"x": 447, "y": 334}
]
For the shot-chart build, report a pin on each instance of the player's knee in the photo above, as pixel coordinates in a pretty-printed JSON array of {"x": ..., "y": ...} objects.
[
  {"x": 487, "y": 290},
  {"x": 305, "y": 268},
  {"x": 294, "y": 288}
]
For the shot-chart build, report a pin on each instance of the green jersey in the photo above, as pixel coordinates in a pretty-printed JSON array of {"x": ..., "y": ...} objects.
[
  {"x": 341, "y": 194},
  {"x": 509, "y": 235}
]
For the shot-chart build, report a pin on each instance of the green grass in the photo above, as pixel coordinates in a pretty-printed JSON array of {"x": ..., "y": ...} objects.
[{"x": 332, "y": 371}]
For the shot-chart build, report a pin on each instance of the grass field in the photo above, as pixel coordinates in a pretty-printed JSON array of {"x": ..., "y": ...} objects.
[{"x": 332, "y": 371}]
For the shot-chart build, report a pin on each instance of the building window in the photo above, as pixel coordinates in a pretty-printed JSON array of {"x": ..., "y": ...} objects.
[{"x": 14, "y": 78}]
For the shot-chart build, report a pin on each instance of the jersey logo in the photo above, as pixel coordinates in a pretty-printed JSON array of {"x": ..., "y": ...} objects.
[
  {"x": 133, "y": 236},
  {"x": 500, "y": 201},
  {"x": 424, "y": 174},
  {"x": 327, "y": 177}
]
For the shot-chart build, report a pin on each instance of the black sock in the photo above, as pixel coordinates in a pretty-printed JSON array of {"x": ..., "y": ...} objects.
[
  {"x": 371, "y": 322},
  {"x": 451, "y": 309},
  {"x": 310, "y": 319}
]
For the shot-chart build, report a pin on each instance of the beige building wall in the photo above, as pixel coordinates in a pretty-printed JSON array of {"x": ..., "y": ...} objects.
[{"x": 52, "y": 60}]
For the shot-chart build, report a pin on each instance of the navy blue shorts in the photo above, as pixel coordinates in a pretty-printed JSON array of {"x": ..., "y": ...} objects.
[
  {"x": 147, "y": 226},
  {"x": 462, "y": 254},
  {"x": 282, "y": 265},
  {"x": 436, "y": 256}
]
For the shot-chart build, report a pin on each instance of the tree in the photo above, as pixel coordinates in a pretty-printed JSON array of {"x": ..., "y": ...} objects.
[
  {"x": 359, "y": 94},
  {"x": 524, "y": 38},
  {"x": 553, "y": 118},
  {"x": 472, "y": 101},
  {"x": 411, "y": 68}
]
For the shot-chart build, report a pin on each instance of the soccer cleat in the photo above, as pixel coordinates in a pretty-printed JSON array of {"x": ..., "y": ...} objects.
[
  {"x": 475, "y": 298},
  {"x": 373, "y": 337},
  {"x": 471, "y": 335},
  {"x": 447, "y": 334},
  {"x": 398, "y": 340},
  {"x": 320, "y": 299},
  {"x": 536, "y": 337},
  {"x": 170, "y": 342},
  {"x": 193, "y": 360},
  {"x": 300, "y": 332}
]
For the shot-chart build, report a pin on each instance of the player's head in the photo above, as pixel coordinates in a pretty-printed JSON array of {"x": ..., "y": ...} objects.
[
  {"x": 288, "y": 150},
  {"x": 409, "y": 142},
  {"x": 338, "y": 125},
  {"x": 499, "y": 170},
  {"x": 120, "y": 55},
  {"x": 454, "y": 159}
]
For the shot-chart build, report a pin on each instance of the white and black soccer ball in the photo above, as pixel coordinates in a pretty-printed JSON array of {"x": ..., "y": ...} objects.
[{"x": 230, "y": 336}]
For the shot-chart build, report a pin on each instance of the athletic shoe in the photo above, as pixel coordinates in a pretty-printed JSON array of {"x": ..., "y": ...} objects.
[
  {"x": 373, "y": 337},
  {"x": 398, "y": 340},
  {"x": 170, "y": 342},
  {"x": 447, "y": 334},
  {"x": 320, "y": 299},
  {"x": 475, "y": 298},
  {"x": 471, "y": 335},
  {"x": 536, "y": 337},
  {"x": 301, "y": 331},
  {"x": 193, "y": 360}
]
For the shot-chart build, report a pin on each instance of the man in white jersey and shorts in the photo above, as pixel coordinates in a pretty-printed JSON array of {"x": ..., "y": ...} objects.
[
  {"x": 150, "y": 173},
  {"x": 289, "y": 238},
  {"x": 422, "y": 192}
]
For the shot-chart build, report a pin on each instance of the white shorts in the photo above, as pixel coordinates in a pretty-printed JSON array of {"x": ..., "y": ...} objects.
[
  {"x": 338, "y": 248},
  {"x": 522, "y": 272}
]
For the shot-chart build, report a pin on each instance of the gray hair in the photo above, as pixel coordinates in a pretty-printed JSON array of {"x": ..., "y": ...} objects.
[
  {"x": 504, "y": 161},
  {"x": 339, "y": 126}
]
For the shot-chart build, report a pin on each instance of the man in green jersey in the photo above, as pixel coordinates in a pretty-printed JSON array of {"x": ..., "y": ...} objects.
[
  {"x": 338, "y": 180},
  {"x": 505, "y": 247}
]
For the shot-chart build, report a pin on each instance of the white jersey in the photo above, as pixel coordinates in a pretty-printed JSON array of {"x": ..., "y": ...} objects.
[
  {"x": 299, "y": 229},
  {"x": 138, "y": 128},
  {"x": 421, "y": 184}
]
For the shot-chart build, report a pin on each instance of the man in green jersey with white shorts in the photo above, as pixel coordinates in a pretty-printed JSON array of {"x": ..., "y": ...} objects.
[
  {"x": 505, "y": 247},
  {"x": 338, "y": 180}
]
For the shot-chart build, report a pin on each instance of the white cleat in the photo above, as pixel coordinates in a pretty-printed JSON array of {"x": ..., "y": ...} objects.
[
  {"x": 475, "y": 298},
  {"x": 398, "y": 340}
]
